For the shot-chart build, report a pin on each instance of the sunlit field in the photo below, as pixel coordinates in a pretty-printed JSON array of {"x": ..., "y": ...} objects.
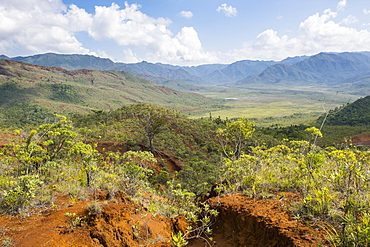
[{"x": 267, "y": 106}]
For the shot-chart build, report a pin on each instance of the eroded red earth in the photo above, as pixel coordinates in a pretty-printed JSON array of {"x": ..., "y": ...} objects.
[
  {"x": 266, "y": 222},
  {"x": 121, "y": 222}
]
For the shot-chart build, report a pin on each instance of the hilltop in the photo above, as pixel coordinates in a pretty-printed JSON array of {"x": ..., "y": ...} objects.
[{"x": 30, "y": 92}]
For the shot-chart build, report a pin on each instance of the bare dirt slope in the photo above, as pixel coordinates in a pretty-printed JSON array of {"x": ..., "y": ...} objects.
[
  {"x": 245, "y": 222},
  {"x": 120, "y": 223},
  {"x": 362, "y": 140},
  {"x": 242, "y": 222}
]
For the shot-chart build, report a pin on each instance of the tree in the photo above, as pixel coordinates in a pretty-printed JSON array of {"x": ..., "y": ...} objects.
[
  {"x": 152, "y": 120},
  {"x": 47, "y": 143},
  {"x": 234, "y": 137}
]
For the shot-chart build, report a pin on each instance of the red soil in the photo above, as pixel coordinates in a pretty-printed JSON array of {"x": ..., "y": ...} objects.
[
  {"x": 121, "y": 222},
  {"x": 242, "y": 222},
  {"x": 362, "y": 140},
  {"x": 7, "y": 138},
  {"x": 166, "y": 160},
  {"x": 266, "y": 223}
]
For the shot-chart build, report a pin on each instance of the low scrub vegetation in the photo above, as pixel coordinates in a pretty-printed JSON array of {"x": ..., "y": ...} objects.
[{"x": 232, "y": 156}]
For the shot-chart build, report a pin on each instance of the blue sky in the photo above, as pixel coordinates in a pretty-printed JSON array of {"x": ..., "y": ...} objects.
[{"x": 184, "y": 32}]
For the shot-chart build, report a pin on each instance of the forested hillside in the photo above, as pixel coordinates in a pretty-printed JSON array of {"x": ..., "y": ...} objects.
[{"x": 353, "y": 114}]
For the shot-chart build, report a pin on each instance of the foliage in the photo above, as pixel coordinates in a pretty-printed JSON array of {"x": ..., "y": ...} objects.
[
  {"x": 64, "y": 93},
  {"x": 44, "y": 145},
  {"x": 74, "y": 220},
  {"x": 335, "y": 135},
  {"x": 233, "y": 137},
  {"x": 292, "y": 132},
  {"x": 19, "y": 193},
  {"x": 25, "y": 114},
  {"x": 152, "y": 120},
  {"x": 198, "y": 177},
  {"x": 200, "y": 221},
  {"x": 333, "y": 183},
  {"x": 353, "y": 114},
  {"x": 183, "y": 138},
  {"x": 60, "y": 156},
  {"x": 177, "y": 240}
]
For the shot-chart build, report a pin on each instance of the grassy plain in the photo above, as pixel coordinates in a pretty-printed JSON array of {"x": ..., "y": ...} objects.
[{"x": 271, "y": 106}]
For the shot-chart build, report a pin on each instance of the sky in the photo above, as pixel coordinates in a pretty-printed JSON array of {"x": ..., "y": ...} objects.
[{"x": 184, "y": 32}]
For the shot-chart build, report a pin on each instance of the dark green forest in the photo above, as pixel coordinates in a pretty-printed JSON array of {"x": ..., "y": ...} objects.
[{"x": 352, "y": 114}]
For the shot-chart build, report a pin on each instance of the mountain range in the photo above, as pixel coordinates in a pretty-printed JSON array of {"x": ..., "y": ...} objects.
[
  {"x": 32, "y": 92},
  {"x": 348, "y": 69}
]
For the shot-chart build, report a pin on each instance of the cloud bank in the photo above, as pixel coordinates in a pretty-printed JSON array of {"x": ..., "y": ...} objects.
[
  {"x": 39, "y": 26},
  {"x": 318, "y": 33}
]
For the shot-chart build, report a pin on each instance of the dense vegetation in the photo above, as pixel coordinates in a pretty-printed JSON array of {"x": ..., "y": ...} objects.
[
  {"x": 353, "y": 114},
  {"x": 230, "y": 155}
]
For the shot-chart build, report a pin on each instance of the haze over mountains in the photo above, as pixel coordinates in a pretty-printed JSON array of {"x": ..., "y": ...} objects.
[
  {"x": 323, "y": 68},
  {"x": 343, "y": 70}
]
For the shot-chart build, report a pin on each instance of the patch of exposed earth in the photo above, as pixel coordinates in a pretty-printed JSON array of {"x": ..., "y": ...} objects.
[
  {"x": 245, "y": 222},
  {"x": 121, "y": 222}
]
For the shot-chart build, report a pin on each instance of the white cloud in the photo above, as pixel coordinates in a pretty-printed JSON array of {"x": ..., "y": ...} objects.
[
  {"x": 349, "y": 20},
  {"x": 186, "y": 14},
  {"x": 131, "y": 27},
  {"x": 341, "y": 5},
  {"x": 367, "y": 11},
  {"x": 40, "y": 26},
  {"x": 52, "y": 6},
  {"x": 127, "y": 26},
  {"x": 53, "y": 39},
  {"x": 227, "y": 10},
  {"x": 318, "y": 33},
  {"x": 185, "y": 48},
  {"x": 78, "y": 19},
  {"x": 130, "y": 57}
]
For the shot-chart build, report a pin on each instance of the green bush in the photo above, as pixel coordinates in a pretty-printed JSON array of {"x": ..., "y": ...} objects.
[{"x": 19, "y": 193}]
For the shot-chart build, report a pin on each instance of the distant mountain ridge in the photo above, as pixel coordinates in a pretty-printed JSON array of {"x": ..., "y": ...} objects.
[
  {"x": 320, "y": 69},
  {"x": 34, "y": 92},
  {"x": 202, "y": 74},
  {"x": 325, "y": 69}
]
